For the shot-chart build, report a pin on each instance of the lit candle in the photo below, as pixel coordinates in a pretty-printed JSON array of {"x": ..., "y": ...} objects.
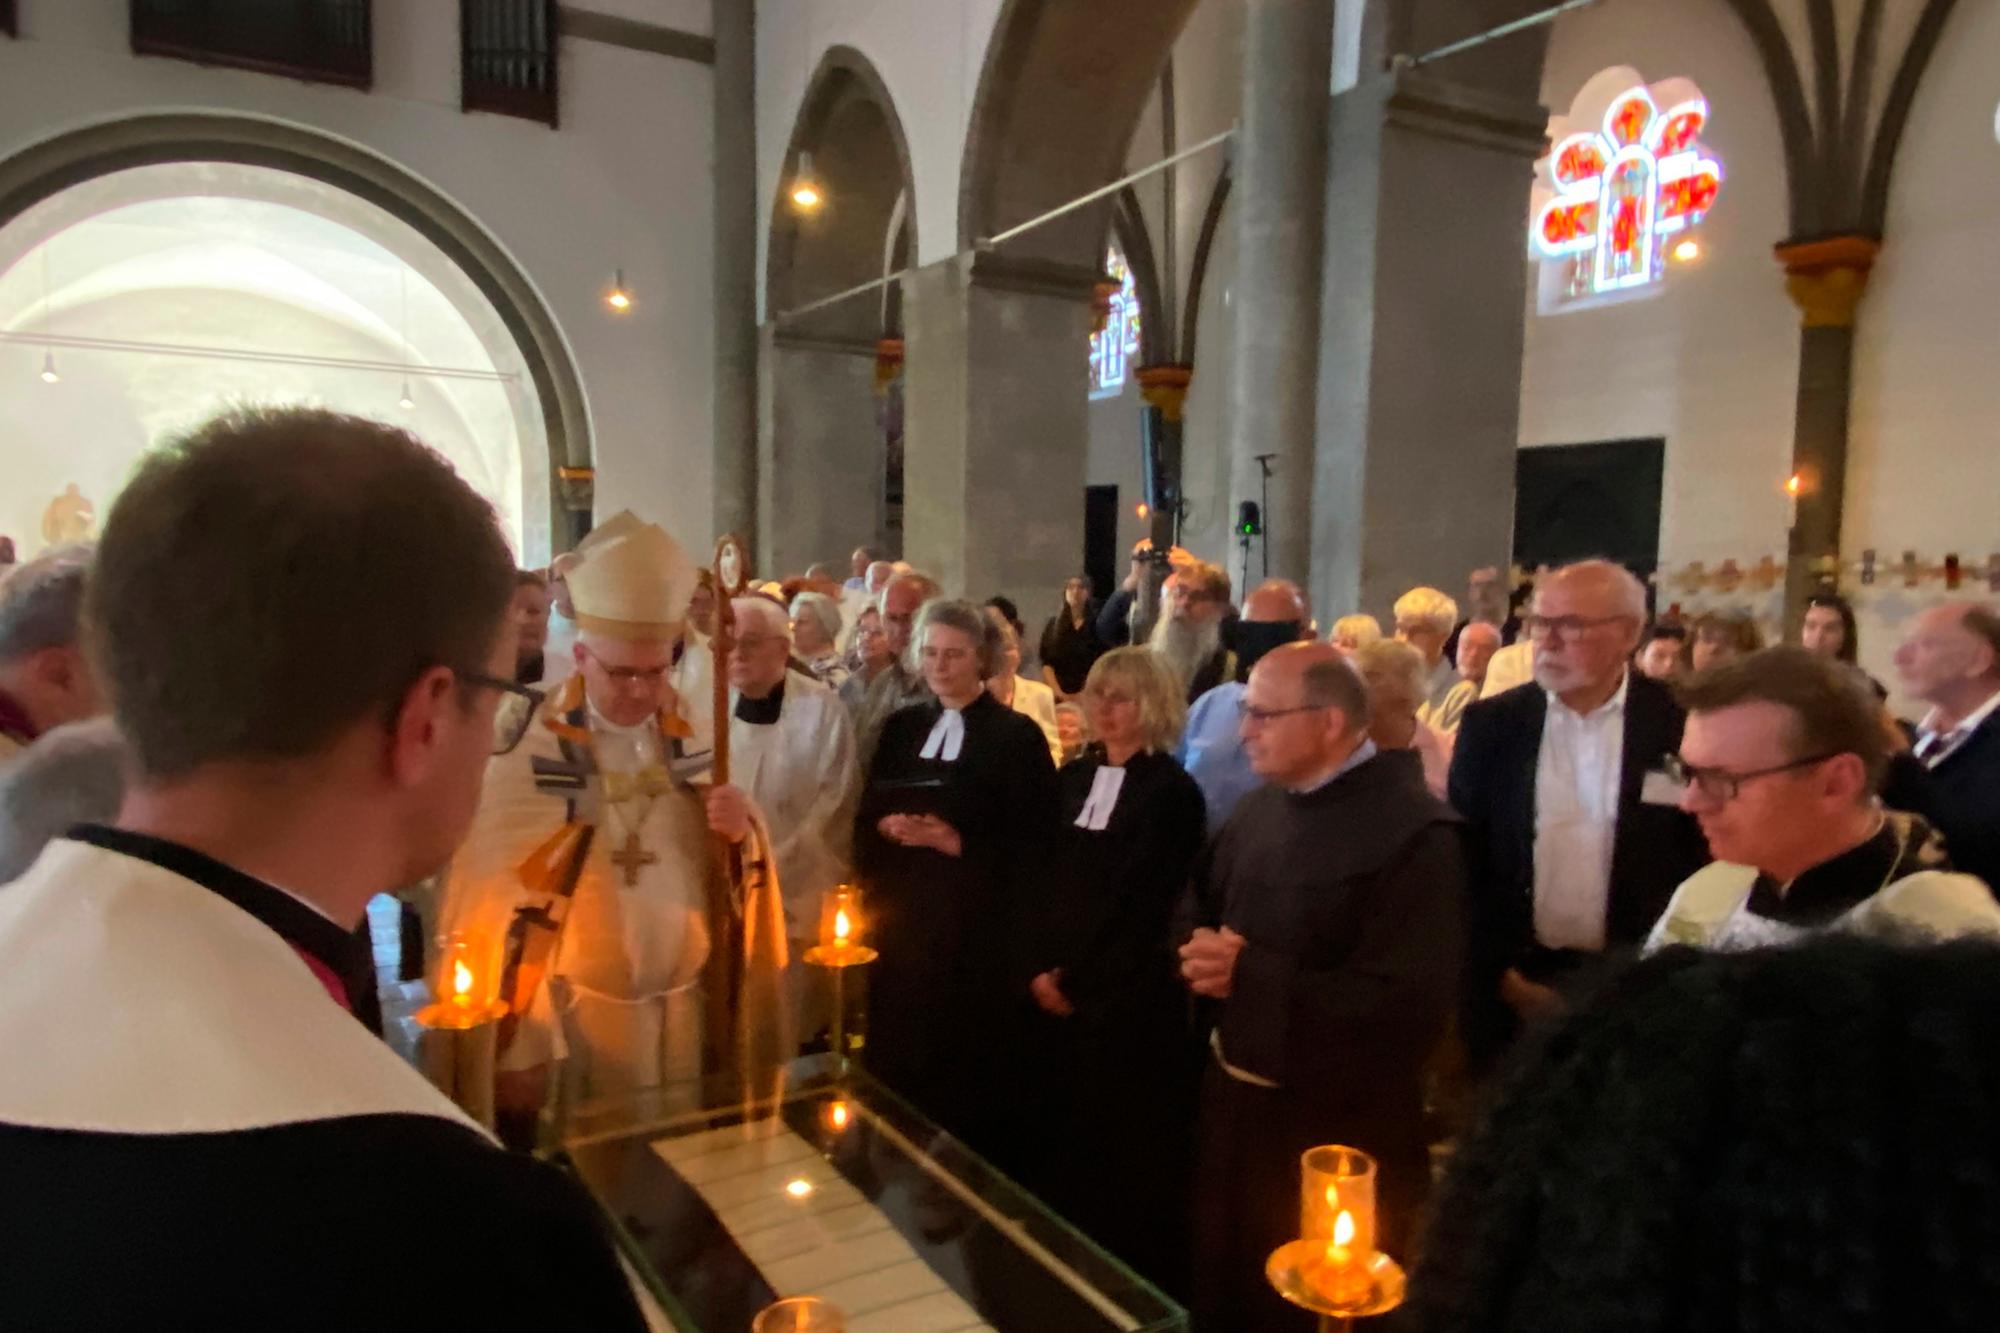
[
  {"x": 1339, "y": 1221},
  {"x": 840, "y": 928},
  {"x": 459, "y": 1042}
]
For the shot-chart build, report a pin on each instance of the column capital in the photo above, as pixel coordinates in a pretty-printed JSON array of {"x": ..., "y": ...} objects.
[
  {"x": 1165, "y": 386},
  {"x": 1827, "y": 278},
  {"x": 1041, "y": 277},
  {"x": 888, "y": 363}
]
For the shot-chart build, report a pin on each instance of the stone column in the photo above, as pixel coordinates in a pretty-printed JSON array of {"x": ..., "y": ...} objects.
[
  {"x": 820, "y": 451},
  {"x": 735, "y": 281},
  {"x": 1826, "y": 280},
  {"x": 1165, "y": 389},
  {"x": 1420, "y": 340},
  {"x": 1277, "y": 199},
  {"x": 996, "y": 407}
]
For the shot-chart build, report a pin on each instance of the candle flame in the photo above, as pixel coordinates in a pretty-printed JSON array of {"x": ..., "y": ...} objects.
[
  {"x": 1343, "y": 1227},
  {"x": 842, "y": 927},
  {"x": 799, "y": 1189},
  {"x": 461, "y": 980},
  {"x": 1793, "y": 484}
]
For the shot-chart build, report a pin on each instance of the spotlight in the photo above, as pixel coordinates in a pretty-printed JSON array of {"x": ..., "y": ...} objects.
[
  {"x": 806, "y": 194},
  {"x": 618, "y": 296},
  {"x": 49, "y": 375},
  {"x": 406, "y": 402},
  {"x": 1688, "y": 251}
]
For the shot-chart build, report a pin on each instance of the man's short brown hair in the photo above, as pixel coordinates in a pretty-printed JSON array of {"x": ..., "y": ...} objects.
[
  {"x": 278, "y": 574},
  {"x": 1833, "y": 708},
  {"x": 1211, "y": 581}
]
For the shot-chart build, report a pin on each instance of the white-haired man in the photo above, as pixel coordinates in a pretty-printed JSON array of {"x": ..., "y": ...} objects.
[
  {"x": 1477, "y": 642},
  {"x": 1576, "y": 836},
  {"x": 590, "y": 862},
  {"x": 792, "y": 748},
  {"x": 45, "y": 679},
  {"x": 1425, "y": 619}
]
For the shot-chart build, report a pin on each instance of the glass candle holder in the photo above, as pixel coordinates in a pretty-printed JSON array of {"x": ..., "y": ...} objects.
[
  {"x": 840, "y": 929},
  {"x": 800, "y": 1314},
  {"x": 1337, "y": 1220}
]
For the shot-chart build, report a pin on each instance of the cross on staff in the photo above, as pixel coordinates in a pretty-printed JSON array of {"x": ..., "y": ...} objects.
[{"x": 631, "y": 857}]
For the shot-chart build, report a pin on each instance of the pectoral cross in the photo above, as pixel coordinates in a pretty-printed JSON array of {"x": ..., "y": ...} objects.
[{"x": 631, "y": 857}]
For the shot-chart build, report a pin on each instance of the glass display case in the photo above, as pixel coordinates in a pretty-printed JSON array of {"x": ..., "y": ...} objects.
[{"x": 835, "y": 1188}]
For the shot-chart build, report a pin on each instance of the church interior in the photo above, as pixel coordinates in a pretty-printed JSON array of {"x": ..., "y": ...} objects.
[{"x": 1339, "y": 302}]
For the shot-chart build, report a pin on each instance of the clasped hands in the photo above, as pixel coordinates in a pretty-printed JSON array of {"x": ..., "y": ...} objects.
[
  {"x": 920, "y": 831},
  {"x": 1208, "y": 961}
]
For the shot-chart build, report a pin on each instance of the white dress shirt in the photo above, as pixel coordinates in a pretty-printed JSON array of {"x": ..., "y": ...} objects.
[
  {"x": 1934, "y": 746},
  {"x": 1576, "y": 819}
]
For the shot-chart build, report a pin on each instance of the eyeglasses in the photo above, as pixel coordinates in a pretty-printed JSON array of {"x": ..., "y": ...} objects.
[
  {"x": 517, "y": 710},
  {"x": 629, "y": 676},
  {"x": 1721, "y": 785},
  {"x": 751, "y": 643},
  {"x": 1260, "y": 716},
  {"x": 1568, "y": 627}
]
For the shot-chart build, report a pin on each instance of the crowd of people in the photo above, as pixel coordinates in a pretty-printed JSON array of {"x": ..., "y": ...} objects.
[{"x": 1187, "y": 890}]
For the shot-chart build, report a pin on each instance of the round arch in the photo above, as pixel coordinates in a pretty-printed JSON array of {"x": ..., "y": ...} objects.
[{"x": 55, "y": 165}]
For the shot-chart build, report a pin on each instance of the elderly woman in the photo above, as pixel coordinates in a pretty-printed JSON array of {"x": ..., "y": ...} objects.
[
  {"x": 1352, "y": 633},
  {"x": 1021, "y": 693},
  {"x": 815, "y": 627},
  {"x": 1114, "y": 1025},
  {"x": 956, "y": 818},
  {"x": 1397, "y": 680}
]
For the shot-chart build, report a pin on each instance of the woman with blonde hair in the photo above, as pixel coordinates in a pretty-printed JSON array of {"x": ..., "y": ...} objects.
[
  {"x": 1353, "y": 633},
  {"x": 1112, "y": 1037},
  {"x": 1398, "y": 684}
]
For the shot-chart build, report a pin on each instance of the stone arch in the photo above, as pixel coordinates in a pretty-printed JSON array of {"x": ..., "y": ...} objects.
[
  {"x": 56, "y": 164},
  {"x": 861, "y": 157},
  {"x": 829, "y": 448}
]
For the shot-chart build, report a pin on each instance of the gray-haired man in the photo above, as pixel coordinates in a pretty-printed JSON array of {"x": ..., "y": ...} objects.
[{"x": 44, "y": 679}]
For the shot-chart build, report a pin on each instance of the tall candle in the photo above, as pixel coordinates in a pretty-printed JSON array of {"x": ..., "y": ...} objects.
[{"x": 1338, "y": 1221}]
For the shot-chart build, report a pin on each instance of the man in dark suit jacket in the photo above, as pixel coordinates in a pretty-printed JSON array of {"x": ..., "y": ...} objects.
[
  {"x": 1951, "y": 660},
  {"x": 1575, "y": 837}
]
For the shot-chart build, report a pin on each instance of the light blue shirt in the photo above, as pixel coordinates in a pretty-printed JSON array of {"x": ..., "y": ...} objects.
[{"x": 1211, "y": 750}]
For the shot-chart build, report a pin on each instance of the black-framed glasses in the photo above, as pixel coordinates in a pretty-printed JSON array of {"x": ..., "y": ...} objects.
[
  {"x": 517, "y": 709},
  {"x": 1250, "y": 713},
  {"x": 1721, "y": 785},
  {"x": 1568, "y": 627}
]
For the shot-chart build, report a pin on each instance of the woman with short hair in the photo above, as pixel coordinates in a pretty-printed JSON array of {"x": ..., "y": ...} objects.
[
  {"x": 815, "y": 631},
  {"x": 1113, "y": 1031},
  {"x": 1353, "y": 633},
  {"x": 955, "y": 822},
  {"x": 1397, "y": 682}
]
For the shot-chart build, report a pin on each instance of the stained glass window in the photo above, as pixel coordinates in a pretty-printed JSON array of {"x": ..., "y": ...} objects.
[
  {"x": 1113, "y": 351},
  {"x": 1626, "y": 182}
]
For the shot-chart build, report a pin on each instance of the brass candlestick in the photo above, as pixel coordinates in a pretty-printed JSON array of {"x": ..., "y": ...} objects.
[
  {"x": 840, "y": 948},
  {"x": 459, "y": 1044},
  {"x": 1334, "y": 1269}
]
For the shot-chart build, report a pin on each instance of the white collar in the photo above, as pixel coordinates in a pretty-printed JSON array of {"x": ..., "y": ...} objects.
[
  {"x": 1615, "y": 704},
  {"x": 1361, "y": 755},
  {"x": 947, "y": 738},
  {"x": 1971, "y": 721},
  {"x": 155, "y": 1006}
]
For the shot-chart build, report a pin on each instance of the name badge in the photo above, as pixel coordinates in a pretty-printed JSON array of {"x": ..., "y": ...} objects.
[{"x": 1661, "y": 789}]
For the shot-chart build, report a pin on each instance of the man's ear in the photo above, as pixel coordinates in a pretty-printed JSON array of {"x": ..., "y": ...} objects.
[{"x": 419, "y": 726}]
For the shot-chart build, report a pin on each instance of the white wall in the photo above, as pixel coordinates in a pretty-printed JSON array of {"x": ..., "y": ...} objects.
[
  {"x": 1924, "y": 461},
  {"x": 1710, "y": 361},
  {"x": 625, "y": 182}
]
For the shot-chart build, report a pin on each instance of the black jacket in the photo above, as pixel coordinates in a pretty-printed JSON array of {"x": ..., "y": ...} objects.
[
  {"x": 1492, "y": 785},
  {"x": 1965, "y": 802}
]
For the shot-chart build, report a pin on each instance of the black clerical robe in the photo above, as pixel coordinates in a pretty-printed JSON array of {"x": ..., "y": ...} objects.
[
  {"x": 1121, "y": 1069},
  {"x": 947, "y": 998},
  {"x": 194, "y": 1133},
  {"x": 1351, "y": 898}
]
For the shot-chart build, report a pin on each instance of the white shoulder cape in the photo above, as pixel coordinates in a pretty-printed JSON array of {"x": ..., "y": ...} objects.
[{"x": 138, "y": 1002}]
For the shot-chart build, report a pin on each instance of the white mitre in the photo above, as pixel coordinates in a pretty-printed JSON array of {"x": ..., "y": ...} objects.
[{"x": 634, "y": 581}]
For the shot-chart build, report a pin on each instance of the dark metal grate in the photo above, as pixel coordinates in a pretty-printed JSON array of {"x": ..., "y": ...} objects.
[
  {"x": 508, "y": 57},
  {"x": 323, "y": 41}
]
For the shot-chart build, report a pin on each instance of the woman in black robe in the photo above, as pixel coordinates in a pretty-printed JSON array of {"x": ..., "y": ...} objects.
[
  {"x": 955, "y": 822},
  {"x": 1111, "y": 1038}
]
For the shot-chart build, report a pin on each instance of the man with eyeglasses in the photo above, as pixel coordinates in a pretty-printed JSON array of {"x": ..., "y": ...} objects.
[
  {"x": 302, "y": 622},
  {"x": 592, "y": 880},
  {"x": 1328, "y": 936},
  {"x": 1782, "y": 763},
  {"x": 1577, "y": 841},
  {"x": 900, "y": 683}
]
